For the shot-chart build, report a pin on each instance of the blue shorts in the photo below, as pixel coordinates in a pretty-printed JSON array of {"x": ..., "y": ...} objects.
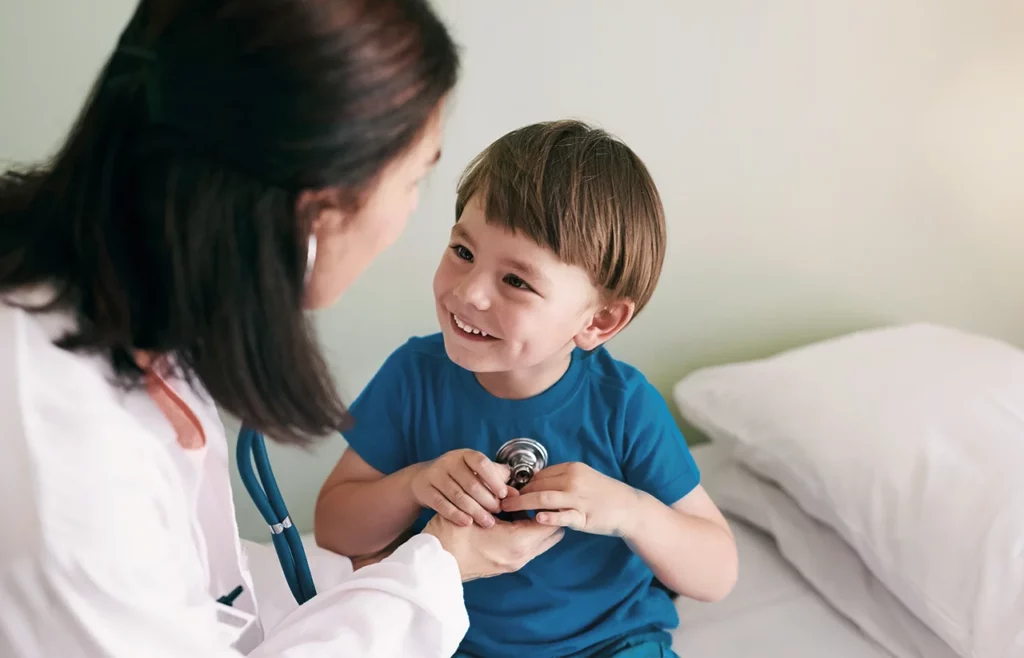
[{"x": 646, "y": 644}]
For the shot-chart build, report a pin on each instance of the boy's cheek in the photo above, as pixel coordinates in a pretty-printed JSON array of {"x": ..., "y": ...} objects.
[{"x": 440, "y": 280}]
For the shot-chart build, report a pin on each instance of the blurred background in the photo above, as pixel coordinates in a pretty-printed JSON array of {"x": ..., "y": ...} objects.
[{"x": 825, "y": 166}]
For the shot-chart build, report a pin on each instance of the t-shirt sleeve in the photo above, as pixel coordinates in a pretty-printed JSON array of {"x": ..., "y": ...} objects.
[
  {"x": 656, "y": 458},
  {"x": 382, "y": 413}
]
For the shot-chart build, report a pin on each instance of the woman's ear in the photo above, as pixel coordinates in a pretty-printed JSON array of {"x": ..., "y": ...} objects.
[
  {"x": 322, "y": 209},
  {"x": 609, "y": 320},
  {"x": 327, "y": 260}
]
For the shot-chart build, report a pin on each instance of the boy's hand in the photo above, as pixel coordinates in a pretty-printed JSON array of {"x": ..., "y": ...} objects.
[
  {"x": 573, "y": 495},
  {"x": 463, "y": 486}
]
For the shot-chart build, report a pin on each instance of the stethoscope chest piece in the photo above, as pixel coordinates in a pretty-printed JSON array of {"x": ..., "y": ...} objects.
[{"x": 524, "y": 457}]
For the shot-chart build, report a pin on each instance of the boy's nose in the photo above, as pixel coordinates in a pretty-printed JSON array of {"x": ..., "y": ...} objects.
[{"x": 472, "y": 291}]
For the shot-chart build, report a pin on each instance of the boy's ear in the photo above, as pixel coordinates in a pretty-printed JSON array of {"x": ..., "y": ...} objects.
[{"x": 607, "y": 321}]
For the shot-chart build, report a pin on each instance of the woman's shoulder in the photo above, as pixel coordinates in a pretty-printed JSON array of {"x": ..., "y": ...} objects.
[
  {"x": 42, "y": 384},
  {"x": 86, "y": 481}
]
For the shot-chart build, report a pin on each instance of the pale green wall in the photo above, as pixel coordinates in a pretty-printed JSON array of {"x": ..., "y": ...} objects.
[{"x": 825, "y": 166}]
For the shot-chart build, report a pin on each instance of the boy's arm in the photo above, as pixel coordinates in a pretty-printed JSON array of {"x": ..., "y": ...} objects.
[
  {"x": 674, "y": 527},
  {"x": 360, "y": 511},
  {"x": 688, "y": 546}
]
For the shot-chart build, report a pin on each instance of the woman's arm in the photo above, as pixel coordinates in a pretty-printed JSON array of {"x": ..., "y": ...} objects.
[{"x": 409, "y": 604}]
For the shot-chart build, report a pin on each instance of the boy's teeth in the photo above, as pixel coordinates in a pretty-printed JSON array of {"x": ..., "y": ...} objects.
[{"x": 467, "y": 328}]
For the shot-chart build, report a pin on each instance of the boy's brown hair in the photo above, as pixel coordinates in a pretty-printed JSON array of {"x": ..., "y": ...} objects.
[{"x": 580, "y": 192}]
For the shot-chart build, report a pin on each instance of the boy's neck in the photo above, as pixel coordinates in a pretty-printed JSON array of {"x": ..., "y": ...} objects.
[{"x": 527, "y": 382}]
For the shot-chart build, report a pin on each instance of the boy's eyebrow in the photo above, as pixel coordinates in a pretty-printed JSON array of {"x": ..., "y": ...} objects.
[
  {"x": 459, "y": 232},
  {"x": 529, "y": 271}
]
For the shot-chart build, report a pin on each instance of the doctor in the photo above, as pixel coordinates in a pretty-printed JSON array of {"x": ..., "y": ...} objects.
[{"x": 239, "y": 162}]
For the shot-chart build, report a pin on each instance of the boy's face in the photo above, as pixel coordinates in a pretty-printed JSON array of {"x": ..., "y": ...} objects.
[{"x": 505, "y": 303}]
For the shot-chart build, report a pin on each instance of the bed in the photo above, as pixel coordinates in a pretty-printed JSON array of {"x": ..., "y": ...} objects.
[{"x": 772, "y": 611}]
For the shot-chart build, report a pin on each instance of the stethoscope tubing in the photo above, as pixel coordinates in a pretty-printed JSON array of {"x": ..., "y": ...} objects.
[{"x": 250, "y": 448}]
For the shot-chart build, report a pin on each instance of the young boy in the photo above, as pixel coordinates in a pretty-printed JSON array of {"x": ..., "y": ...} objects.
[{"x": 558, "y": 243}]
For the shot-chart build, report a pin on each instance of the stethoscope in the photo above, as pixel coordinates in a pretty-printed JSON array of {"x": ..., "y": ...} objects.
[
  {"x": 524, "y": 457},
  {"x": 268, "y": 500}
]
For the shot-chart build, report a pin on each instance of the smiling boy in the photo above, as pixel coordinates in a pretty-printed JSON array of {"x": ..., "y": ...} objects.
[{"x": 558, "y": 243}]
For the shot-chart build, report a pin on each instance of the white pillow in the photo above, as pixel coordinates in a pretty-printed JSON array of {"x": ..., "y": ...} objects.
[
  {"x": 827, "y": 562},
  {"x": 909, "y": 442}
]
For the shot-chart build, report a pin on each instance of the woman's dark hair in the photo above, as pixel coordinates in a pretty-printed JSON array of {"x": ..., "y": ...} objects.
[{"x": 167, "y": 221}]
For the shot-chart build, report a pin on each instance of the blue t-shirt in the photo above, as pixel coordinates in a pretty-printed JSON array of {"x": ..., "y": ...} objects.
[{"x": 588, "y": 589}]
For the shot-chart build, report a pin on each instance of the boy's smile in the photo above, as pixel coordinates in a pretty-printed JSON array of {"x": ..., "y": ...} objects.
[{"x": 468, "y": 331}]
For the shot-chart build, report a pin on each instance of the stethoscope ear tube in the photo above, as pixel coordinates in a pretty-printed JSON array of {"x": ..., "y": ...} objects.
[{"x": 270, "y": 503}]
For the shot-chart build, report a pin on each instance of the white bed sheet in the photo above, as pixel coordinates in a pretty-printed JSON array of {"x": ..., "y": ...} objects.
[{"x": 772, "y": 612}]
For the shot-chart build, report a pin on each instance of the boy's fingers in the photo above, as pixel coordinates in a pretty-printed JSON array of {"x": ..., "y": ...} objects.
[
  {"x": 550, "y": 483},
  {"x": 566, "y": 518},
  {"x": 502, "y": 474},
  {"x": 538, "y": 500},
  {"x": 454, "y": 492},
  {"x": 471, "y": 484},
  {"x": 491, "y": 474},
  {"x": 550, "y": 472},
  {"x": 445, "y": 508}
]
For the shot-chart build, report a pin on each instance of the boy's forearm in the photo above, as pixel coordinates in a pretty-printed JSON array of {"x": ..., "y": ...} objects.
[
  {"x": 691, "y": 555},
  {"x": 362, "y": 518}
]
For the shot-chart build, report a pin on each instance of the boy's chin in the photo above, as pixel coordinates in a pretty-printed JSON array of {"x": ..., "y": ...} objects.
[{"x": 471, "y": 357}]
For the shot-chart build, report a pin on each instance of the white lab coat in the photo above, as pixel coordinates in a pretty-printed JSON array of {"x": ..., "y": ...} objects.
[{"x": 115, "y": 542}]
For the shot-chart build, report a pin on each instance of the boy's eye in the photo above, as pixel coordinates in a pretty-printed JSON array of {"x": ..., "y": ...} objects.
[
  {"x": 462, "y": 252},
  {"x": 516, "y": 282}
]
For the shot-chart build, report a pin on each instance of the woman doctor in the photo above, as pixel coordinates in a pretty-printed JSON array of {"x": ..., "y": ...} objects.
[{"x": 239, "y": 162}]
